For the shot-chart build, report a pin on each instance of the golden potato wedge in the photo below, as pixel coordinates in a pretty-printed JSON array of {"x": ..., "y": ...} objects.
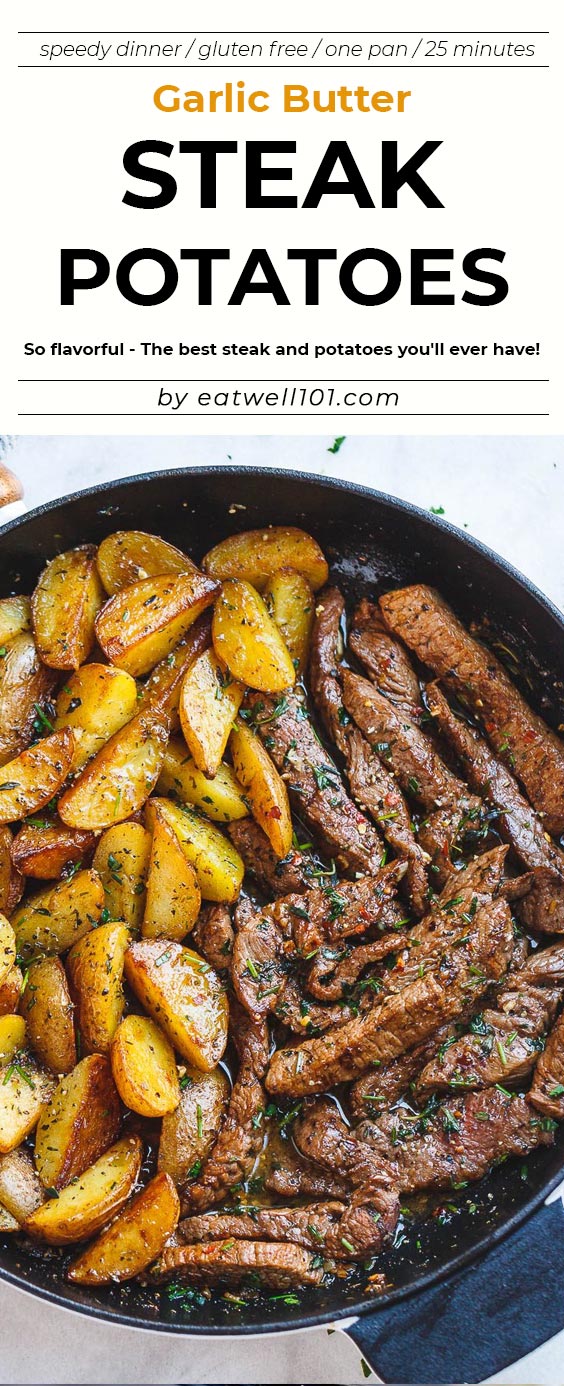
[
  {"x": 130, "y": 555},
  {"x": 247, "y": 640},
  {"x": 43, "y": 848},
  {"x": 58, "y": 915},
  {"x": 185, "y": 997},
  {"x": 134, "y": 1240},
  {"x": 25, "y": 688},
  {"x": 95, "y": 973},
  {"x": 218, "y": 866},
  {"x": 25, "y": 1089},
  {"x": 173, "y": 899},
  {"x": 264, "y": 787},
  {"x": 290, "y": 601},
  {"x": 209, "y": 701},
  {"x": 78, "y": 1124},
  {"x": 21, "y": 1190},
  {"x": 142, "y": 624},
  {"x": 221, "y": 798},
  {"x": 47, "y": 1009},
  {"x": 7, "y": 947},
  {"x": 95, "y": 702},
  {"x": 15, "y": 617},
  {"x": 32, "y": 778},
  {"x": 144, "y": 1067},
  {"x": 116, "y": 783},
  {"x": 256, "y": 554},
  {"x": 84, "y": 1206},
  {"x": 162, "y": 689},
  {"x": 7, "y": 1222},
  {"x": 10, "y": 991},
  {"x": 11, "y": 882},
  {"x": 12, "y": 1037},
  {"x": 188, "y": 1133},
  {"x": 122, "y": 862},
  {"x": 64, "y": 605}
]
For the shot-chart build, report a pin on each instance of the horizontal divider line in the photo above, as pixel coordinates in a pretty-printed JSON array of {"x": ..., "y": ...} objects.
[
  {"x": 281, "y": 380},
  {"x": 273, "y": 414}
]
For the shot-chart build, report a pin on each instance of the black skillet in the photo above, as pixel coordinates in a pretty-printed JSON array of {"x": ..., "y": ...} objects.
[{"x": 481, "y": 1284}]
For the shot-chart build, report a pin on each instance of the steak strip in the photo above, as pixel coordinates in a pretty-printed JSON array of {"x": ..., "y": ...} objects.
[
  {"x": 288, "y": 876},
  {"x": 428, "y": 626},
  {"x": 547, "y": 1092},
  {"x": 387, "y": 663},
  {"x": 279, "y": 1266}
]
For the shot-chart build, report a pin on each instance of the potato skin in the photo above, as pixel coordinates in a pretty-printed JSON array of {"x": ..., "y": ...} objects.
[
  {"x": 142, "y": 624},
  {"x": 162, "y": 688},
  {"x": 188, "y": 1133},
  {"x": 256, "y": 554},
  {"x": 25, "y": 685},
  {"x": 79, "y": 1124},
  {"x": 10, "y": 991},
  {"x": 84, "y": 1206},
  {"x": 8, "y": 947},
  {"x": 221, "y": 799},
  {"x": 44, "y": 852},
  {"x": 129, "y": 555},
  {"x": 11, "y": 882},
  {"x": 95, "y": 702},
  {"x": 30, "y": 780},
  {"x": 265, "y": 788},
  {"x": 173, "y": 899},
  {"x": 218, "y": 866},
  {"x": 12, "y": 1037},
  {"x": 247, "y": 640},
  {"x": 117, "y": 782},
  {"x": 54, "y": 918},
  {"x": 184, "y": 995},
  {"x": 289, "y": 599},
  {"x": 15, "y": 617},
  {"x": 64, "y": 605},
  {"x": 21, "y": 1191},
  {"x": 47, "y": 1009},
  {"x": 144, "y": 1067},
  {"x": 95, "y": 973},
  {"x": 24, "y": 1092},
  {"x": 209, "y": 702},
  {"x": 122, "y": 862},
  {"x": 134, "y": 1240}
]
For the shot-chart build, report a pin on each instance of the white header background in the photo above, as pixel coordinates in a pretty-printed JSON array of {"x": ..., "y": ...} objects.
[{"x": 497, "y": 173}]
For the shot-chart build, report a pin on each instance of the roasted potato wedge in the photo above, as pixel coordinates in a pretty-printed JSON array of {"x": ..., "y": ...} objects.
[
  {"x": 10, "y": 991},
  {"x": 256, "y": 554},
  {"x": 95, "y": 702},
  {"x": 119, "y": 779},
  {"x": 264, "y": 787},
  {"x": 11, "y": 882},
  {"x": 289, "y": 599},
  {"x": 134, "y": 1240},
  {"x": 47, "y": 1009},
  {"x": 25, "y": 1089},
  {"x": 122, "y": 862},
  {"x": 7, "y": 947},
  {"x": 12, "y": 1037},
  {"x": 7, "y": 1222},
  {"x": 78, "y": 1124},
  {"x": 43, "y": 848},
  {"x": 25, "y": 688},
  {"x": 188, "y": 1133},
  {"x": 209, "y": 702},
  {"x": 218, "y": 866},
  {"x": 185, "y": 997},
  {"x": 221, "y": 799},
  {"x": 63, "y": 607},
  {"x": 32, "y": 778},
  {"x": 15, "y": 617},
  {"x": 84, "y": 1206},
  {"x": 144, "y": 1067},
  {"x": 95, "y": 973},
  {"x": 247, "y": 640},
  {"x": 162, "y": 689},
  {"x": 129, "y": 555},
  {"x": 21, "y": 1190},
  {"x": 57, "y": 916},
  {"x": 142, "y": 624},
  {"x": 173, "y": 898}
]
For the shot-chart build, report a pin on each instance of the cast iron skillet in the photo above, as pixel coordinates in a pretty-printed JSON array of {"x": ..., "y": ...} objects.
[{"x": 476, "y": 1287}]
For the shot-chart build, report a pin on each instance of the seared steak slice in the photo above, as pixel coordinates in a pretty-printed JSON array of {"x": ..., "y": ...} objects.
[
  {"x": 323, "y": 1227},
  {"x": 288, "y": 876},
  {"x": 326, "y": 651},
  {"x": 213, "y": 935},
  {"x": 428, "y": 626},
  {"x": 460, "y": 1142},
  {"x": 334, "y": 972},
  {"x": 240, "y": 1138},
  {"x": 384, "y": 1084},
  {"x": 386, "y": 662},
  {"x": 517, "y": 821},
  {"x": 376, "y": 791},
  {"x": 373, "y": 1207},
  {"x": 546, "y": 965},
  {"x": 292, "y": 1176},
  {"x": 547, "y": 1092},
  {"x": 315, "y": 785},
  {"x": 278, "y": 1265},
  {"x": 480, "y": 955},
  {"x": 499, "y": 1048}
]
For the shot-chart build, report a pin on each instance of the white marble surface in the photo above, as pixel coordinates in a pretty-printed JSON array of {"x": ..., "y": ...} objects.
[{"x": 509, "y": 492}]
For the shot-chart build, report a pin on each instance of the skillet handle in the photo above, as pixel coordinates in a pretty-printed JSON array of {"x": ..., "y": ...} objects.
[{"x": 488, "y": 1316}]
